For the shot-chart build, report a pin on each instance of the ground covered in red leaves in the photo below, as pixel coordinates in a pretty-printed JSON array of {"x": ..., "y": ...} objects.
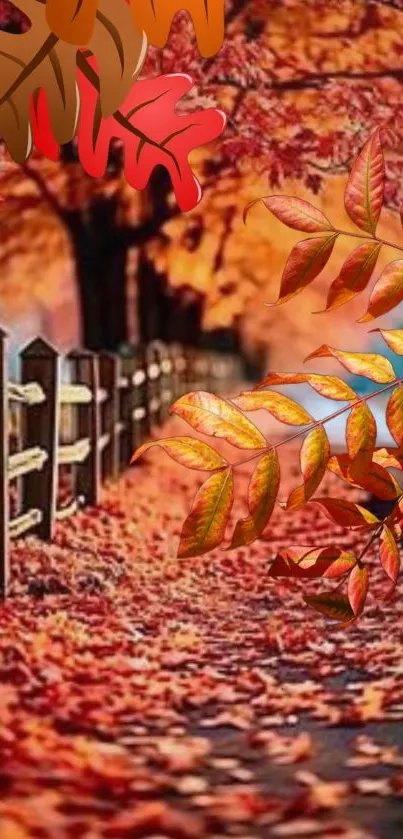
[{"x": 142, "y": 696}]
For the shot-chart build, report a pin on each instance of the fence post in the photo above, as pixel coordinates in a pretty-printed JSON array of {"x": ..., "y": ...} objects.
[
  {"x": 4, "y": 484},
  {"x": 141, "y": 413},
  {"x": 40, "y": 363},
  {"x": 109, "y": 366},
  {"x": 153, "y": 360},
  {"x": 86, "y": 372}
]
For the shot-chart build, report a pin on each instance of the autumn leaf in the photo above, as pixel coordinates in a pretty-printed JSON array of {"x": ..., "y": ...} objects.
[
  {"x": 279, "y": 406},
  {"x": 357, "y": 588},
  {"x": 37, "y": 61},
  {"x": 363, "y": 197},
  {"x": 372, "y": 366},
  {"x": 315, "y": 453},
  {"x": 389, "y": 457},
  {"x": 204, "y": 528},
  {"x": 377, "y": 480},
  {"x": 214, "y": 416},
  {"x": 394, "y": 415},
  {"x": 393, "y": 338},
  {"x": 354, "y": 275},
  {"x": 332, "y": 604},
  {"x": 262, "y": 493},
  {"x": 306, "y": 261},
  {"x": 187, "y": 451},
  {"x": 360, "y": 437},
  {"x": 296, "y": 213},
  {"x": 340, "y": 567},
  {"x": 346, "y": 513},
  {"x": 72, "y": 20},
  {"x": 387, "y": 292},
  {"x": 155, "y": 17},
  {"x": 307, "y": 563},
  {"x": 389, "y": 554},
  {"x": 331, "y": 387}
]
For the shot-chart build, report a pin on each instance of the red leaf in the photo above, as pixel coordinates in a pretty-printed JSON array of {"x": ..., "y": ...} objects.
[
  {"x": 298, "y": 214},
  {"x": 333, "y": 604},
  {"x": 151, "y": 131},
  {"x": 346, "y": 513},
  {"x": 354, "y": 275},
  {"x": 308, "y": 563},
  {"x": 365, "y": 188},
  {"x": 387, "y": 292},
  {"x": 358, "y": 589},
  {"x": 377, "y": 480},
  {"x": 305, "y": 262}
]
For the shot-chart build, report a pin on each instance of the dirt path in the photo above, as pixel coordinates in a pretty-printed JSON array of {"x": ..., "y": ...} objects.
[{"x": 143, "y": 696}]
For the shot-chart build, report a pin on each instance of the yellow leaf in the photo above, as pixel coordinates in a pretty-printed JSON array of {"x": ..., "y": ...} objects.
[
  {"x": 204, "y": 528},
  {"x": 331, "y": 387},
  {"x": 187, "y": 451},
  {"x": 393, "y": 338},
  {"x": 360, "y": 437},
  {"x": 262, "y": 494},
  {"x": 372, "y": 366},
  {"x": 280, "y": 406},
  {"x": 214, "y": 416},
  {"x": 394, "y": 415},
  {"x": 315, "y": 453}
]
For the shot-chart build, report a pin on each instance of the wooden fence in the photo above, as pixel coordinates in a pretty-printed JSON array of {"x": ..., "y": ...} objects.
[{"x": 89, "y": 421}]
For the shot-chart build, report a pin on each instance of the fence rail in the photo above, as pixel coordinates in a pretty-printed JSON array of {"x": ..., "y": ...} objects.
[{"x": 89, "y": 425}]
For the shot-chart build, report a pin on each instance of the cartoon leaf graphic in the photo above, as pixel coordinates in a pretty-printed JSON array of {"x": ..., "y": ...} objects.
[
  {"x": 36, "y": 59},
  {"x": 332, "y": 604},
  {"x": 315, "y": 453},
  {"x": 296, "y": 213},
  {"x": 394, "y": 415},
  {"x": 72, "y": 20},
  {"x": 357, "y": 589},
  {"x": 372, "y": 366},
  {"x": 150, "y": 130},
  {"x": 204, "y": 528},
  {"x": 387, "y": 292},
  {"x": 279, "y": 406},
  {"x": 360, "y": 437},
  {"x": 212, "y": 415},
  {"x": 307, "y": 563},
  {"x": 377, "y": 480},
  {"x": 155, "y": 17},
  {"x": 393, "y": 338},
  {"x": 389, "y": 554},
  {"x": 331, "y": 387},
  {"x": 354, "y": 275},
  {"x": 365, "y": 188},
  {"x": 346, "y": 513},
  {"x": 262, "y": 494},
  {"x": 187, "y": 451},
  {"x": 305, "y": 262}
]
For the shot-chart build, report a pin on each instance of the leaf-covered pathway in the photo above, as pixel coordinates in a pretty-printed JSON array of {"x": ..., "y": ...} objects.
[{"x": 142, "y": 696}]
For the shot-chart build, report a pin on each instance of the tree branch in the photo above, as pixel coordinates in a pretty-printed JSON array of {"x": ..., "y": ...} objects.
[{"x": 45, "y": 192}]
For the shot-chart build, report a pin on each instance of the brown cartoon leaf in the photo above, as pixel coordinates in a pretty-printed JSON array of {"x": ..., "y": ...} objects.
[
  {"x": 72, "y": 20},
  {"x": 38, "y": 59}
]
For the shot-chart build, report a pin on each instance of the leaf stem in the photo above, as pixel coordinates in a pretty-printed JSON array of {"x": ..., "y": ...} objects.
[
  {"x": 369, "y": 238},
  {"x": 377, "y": 532}
]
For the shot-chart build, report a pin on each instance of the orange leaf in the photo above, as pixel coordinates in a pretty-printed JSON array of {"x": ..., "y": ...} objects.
[
  {"x": 332, "y": 604},
  {"x": 305, "y": 563},
  {"x": 340, "y": 566},
  {"x": 387, "y": 292},
  {"x": 389, "y": 554},
  {"x": 216, "y": 417},
  {"x": 315, "y": 453},
  {"x": 262, "y": 494},
  {"x": 330, "y": 387},
  {"x": 72, "y": 20},
  {"x": 155, "y": 17},
  {"x": 360, "y": 437},
  {"x": 363, "y": 197},
  {"x": 204, "y": 528},
  {"x": 376, "y": 481},
  {"x": 393, "y": 338},
  {"x": 394, "y": 415},
  {"x": 305, "y": 262},
  {"x": 346, "y": 513},
  {"x": 372, "y": 366},
  {"x": 298, "y": 214},
  {"x": 281, "y": 407},
  {"x": 354, "y": 275},
  {"x": 389, "y": 457},
  {"x": 357, "y": 589},
  {"x": 188, "y": 452}
]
